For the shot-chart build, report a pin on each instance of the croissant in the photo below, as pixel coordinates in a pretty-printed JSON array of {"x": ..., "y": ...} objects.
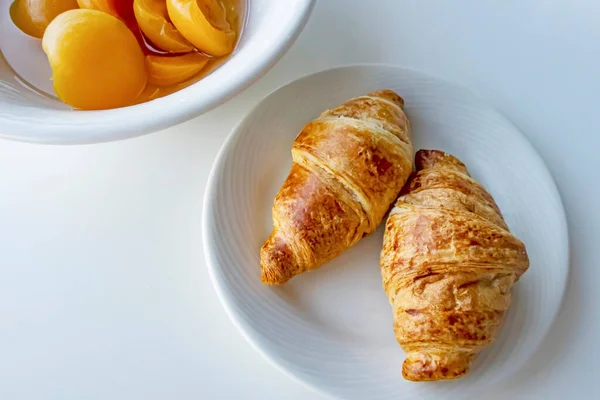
[
  {"x": 448, "y": 263},
  {"x": 348, "y": 168}
]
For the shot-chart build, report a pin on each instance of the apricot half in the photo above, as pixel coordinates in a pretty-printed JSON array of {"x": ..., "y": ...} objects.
[
  {"x": 204, "y": 24},
  {"x": 96, "y": 60},
  {"x": 33, "y": 16},
  {"x": 153, "y": 20},
  {"x": 166, "y": 71},
  {"x": 107, "y": 6}
]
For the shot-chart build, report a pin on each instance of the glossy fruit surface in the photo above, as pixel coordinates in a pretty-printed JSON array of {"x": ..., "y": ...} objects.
[
  {"x": 153, "y": 20},
  {"x": 203, "y": 23},
  {"x": 33, "y": 16},
  {"x": 166, "y": 71},
  {"x": 96, "y": 60}
]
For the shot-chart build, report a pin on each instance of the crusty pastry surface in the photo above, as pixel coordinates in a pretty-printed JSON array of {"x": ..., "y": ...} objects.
[
  {"x": 448, "y": 263},
  {"x": 349, "y": 166}
]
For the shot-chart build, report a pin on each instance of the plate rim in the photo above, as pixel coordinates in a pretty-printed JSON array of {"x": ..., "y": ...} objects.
[{"x": 248, "y": 332}]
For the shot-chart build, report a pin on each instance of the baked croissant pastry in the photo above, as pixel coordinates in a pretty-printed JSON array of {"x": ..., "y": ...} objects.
[
  {"x": 448, "y": 263},
  {"x": 349, "y": 166}
]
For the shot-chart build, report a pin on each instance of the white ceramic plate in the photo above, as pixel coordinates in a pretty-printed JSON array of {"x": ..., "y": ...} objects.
[{"x": 332, "y": 328}]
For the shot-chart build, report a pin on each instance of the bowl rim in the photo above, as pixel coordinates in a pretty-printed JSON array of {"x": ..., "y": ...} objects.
[{"x": 166, "y": 111}]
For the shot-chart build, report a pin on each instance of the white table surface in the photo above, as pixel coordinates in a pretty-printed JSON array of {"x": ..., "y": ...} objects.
[{"x": 104, "y": 292}]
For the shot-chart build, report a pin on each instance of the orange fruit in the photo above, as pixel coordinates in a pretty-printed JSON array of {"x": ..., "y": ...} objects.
[
  {"x": 107, "y": 6},
  {"x": 166, "y": 71},
  {"x": 153, "y": 20},
  {"x": 33, "y": 16},
  {"x": 96, "y": 60},
  {"x": 204, "y": 24}
]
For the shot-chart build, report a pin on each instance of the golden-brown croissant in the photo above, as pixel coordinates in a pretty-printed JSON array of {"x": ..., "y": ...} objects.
[
  {"x": 448, "y": 263},
  {"x": 349, "y": 166}
]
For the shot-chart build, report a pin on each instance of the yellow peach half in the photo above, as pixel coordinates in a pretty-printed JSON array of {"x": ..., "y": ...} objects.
[
  {"x": 96, "y": 60},
  {"x": 171, "y": 70},
  {"x": 204, "y": 24},
  {"x": 153, "y": 20},
  {"x": 107, "y": 6},
  {"x": 33, "y": 16}
]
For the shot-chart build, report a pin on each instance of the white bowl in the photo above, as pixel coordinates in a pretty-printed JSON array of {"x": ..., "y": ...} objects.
[
  {"x": 332, "y": 328},
  {"x": 25, "y": 115}
]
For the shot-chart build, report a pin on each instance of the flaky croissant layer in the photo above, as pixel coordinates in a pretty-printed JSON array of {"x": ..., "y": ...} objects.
[
  {"x": 349, "y": 166},
  {"x": 448, "y": 263}
]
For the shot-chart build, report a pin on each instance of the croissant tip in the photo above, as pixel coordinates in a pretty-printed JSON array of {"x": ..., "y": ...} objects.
[
  {"x": 428, "y": 158},
  {"x": 269, "y": 276},
  {"x": 423, "y": 366},
  {"x": 277, "y": 262},
  {"x": 389, "y": 94}
]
